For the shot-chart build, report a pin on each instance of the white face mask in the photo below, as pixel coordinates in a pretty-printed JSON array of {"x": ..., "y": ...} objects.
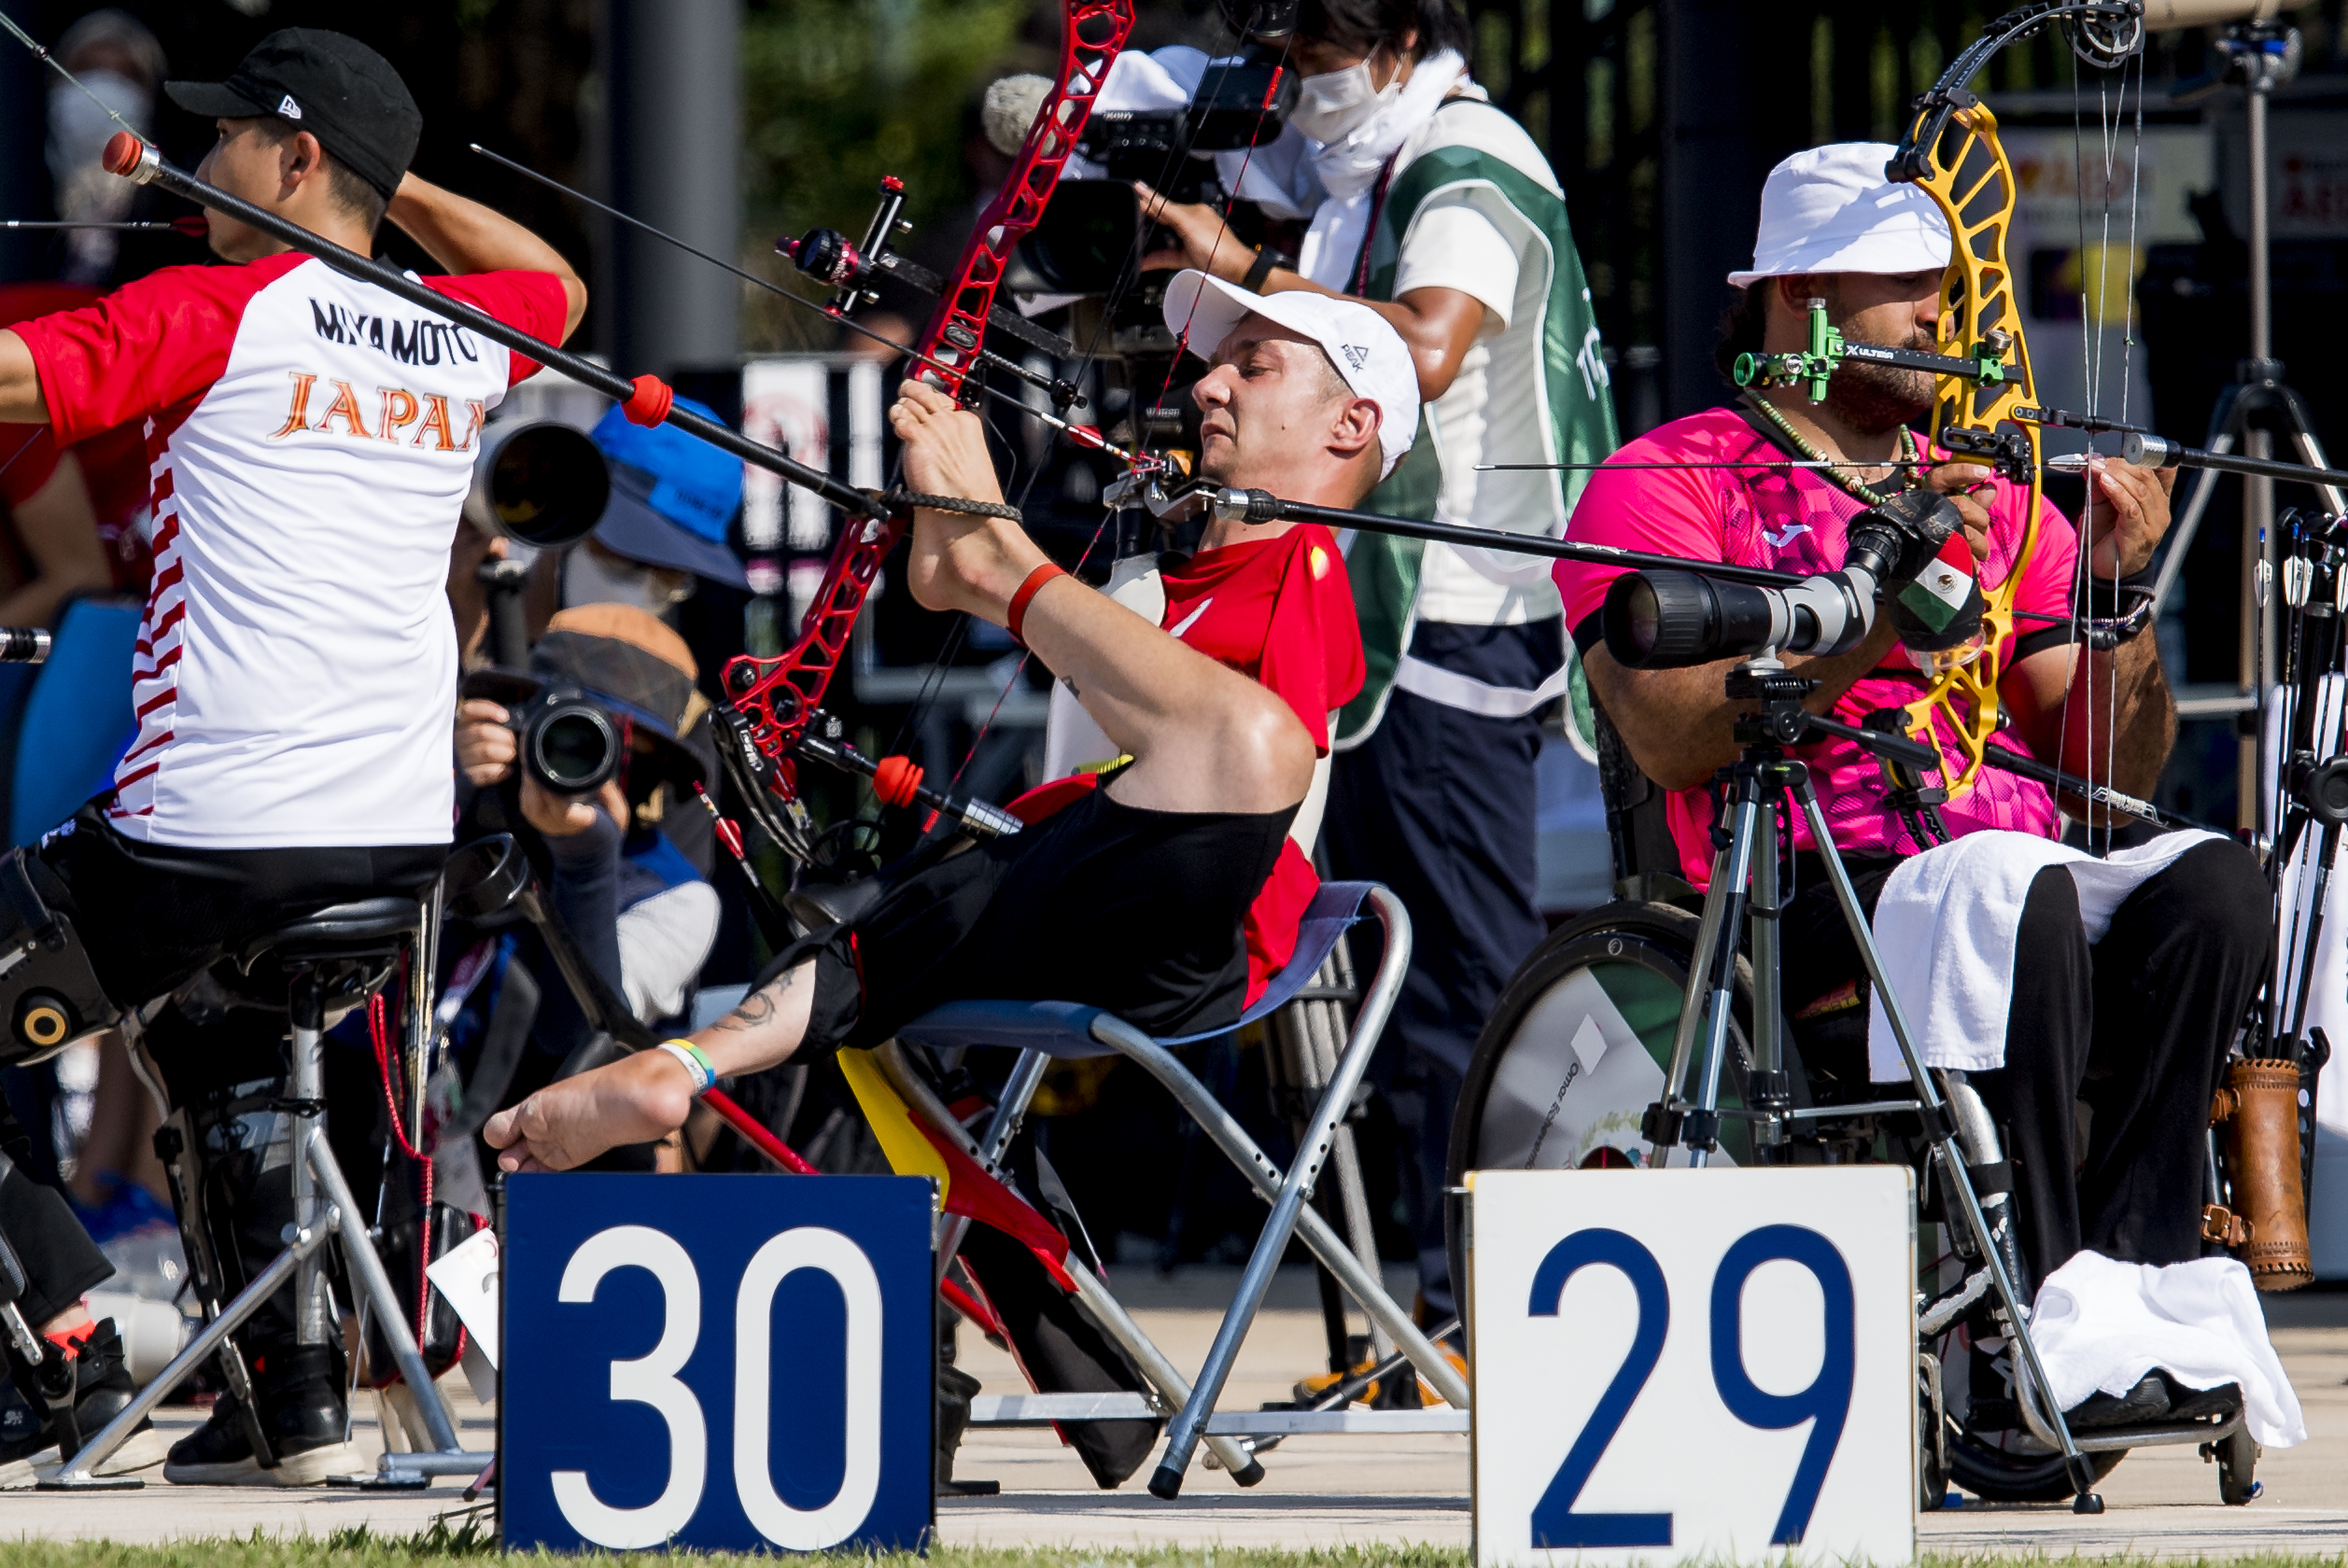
[
  {"x": 1332, "y": 106},
  {"x": 590, "y": 578}
]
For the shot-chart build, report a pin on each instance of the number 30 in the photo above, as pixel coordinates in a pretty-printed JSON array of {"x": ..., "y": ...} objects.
[
  {"x": 652, "y": 1379},
  {"x": 1825, "y": 1404}
]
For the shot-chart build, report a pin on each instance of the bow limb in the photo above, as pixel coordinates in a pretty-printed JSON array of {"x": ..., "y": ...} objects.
[
  {"x": 780, "y": 695},
  {"x": 1964, "y": 169}
]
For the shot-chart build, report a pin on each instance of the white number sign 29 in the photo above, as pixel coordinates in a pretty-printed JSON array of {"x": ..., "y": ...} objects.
[{"x": 1700, "y": 1364}]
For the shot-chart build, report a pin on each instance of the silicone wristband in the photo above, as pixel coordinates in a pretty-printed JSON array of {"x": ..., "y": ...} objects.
[
  {"x": 1015, "y": 619},
  {"x": 689, "y": 1054}
]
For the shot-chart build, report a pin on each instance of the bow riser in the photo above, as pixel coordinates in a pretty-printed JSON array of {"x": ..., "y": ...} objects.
[
  {"x": 1090, "y": 42},
  {"x": 1953, "y": 152},
  {"x": 780, "y": 694}
]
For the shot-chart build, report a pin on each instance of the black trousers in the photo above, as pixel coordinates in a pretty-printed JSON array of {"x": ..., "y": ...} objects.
[
  {"x": 154, "y": 916},
  {"x": 1439, "y": 805},
  {"x": 2133, "y": 1029}
]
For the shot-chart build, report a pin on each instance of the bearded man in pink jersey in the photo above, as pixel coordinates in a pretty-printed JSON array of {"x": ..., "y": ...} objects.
[{"x": 2135, "y": 1024}]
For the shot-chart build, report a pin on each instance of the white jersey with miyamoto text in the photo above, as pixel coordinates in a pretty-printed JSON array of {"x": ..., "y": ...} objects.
[{"x": 310, "y": 439}]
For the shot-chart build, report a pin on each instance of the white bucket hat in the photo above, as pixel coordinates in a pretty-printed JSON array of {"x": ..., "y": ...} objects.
[
  {"x": 1832, "y": 210},
  {"x": 1364, "y": 346}
]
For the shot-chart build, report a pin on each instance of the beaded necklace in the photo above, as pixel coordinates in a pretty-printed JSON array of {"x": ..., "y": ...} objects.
[{"x": 1852, "y": 487}]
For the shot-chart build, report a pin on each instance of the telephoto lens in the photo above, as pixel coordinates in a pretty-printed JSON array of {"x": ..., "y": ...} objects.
[
  {"x": 538, "y": 483},
  {"x": 569, "y": 743},
  {"x": 1678, "y": 620}
]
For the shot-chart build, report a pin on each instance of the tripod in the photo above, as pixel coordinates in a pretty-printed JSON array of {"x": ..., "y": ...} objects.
[
  {"x": 1762, "y": 791},
  {"x": 2260, "y": 57}
]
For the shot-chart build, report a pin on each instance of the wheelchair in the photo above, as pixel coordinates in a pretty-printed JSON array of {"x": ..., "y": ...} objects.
[{"x": 1531, "y": 1099}]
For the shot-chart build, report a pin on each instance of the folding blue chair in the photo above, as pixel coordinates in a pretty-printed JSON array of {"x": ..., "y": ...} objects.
[
  {"x": 78, "y": 720},
  {"x": 1046, "y": 1031}
]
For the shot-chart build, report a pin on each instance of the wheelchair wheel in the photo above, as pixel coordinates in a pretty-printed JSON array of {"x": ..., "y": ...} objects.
[
  {"x": 2237, "y": 1456},
  {"x": 1578, "y": 1048},
  {"x": 1995, "y": 1475}
]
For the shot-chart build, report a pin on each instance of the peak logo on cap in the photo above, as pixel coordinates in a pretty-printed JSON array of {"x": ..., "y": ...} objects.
[
  {"x": 1356, "y": 354},
  {"x": 288, "y": 108}
]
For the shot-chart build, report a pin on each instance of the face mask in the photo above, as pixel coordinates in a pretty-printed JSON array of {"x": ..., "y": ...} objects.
[
  {"x": 589, "y": 577},
  {"x": 1332, "y": 106},
  {"x": 79, "y": 129}
]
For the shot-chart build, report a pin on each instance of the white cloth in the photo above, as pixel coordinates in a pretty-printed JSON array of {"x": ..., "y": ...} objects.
[
  {"x": 2103, "y": 1325},
  {"x": 1946, "y": 925},
  {"x": 1349, "y": 170},
  {"x": 663, "y": 941},
  {"x": 1832, "y": 209}
]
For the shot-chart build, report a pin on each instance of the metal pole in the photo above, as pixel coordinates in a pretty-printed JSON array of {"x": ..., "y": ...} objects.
[
  {"x": 2256, "y": 647},
  {"x": 672, "y": 128}
]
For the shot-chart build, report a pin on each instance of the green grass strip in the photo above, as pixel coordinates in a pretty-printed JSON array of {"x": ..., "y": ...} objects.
[{"x": 362, "y": 1548}]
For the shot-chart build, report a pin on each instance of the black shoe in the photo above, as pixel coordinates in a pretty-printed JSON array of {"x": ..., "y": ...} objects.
[
  {"x": 102, "y": 1387},
  {"x": 2148, "y": 1401},
  {"x": 2192, "y": 1404},
  {"x": 300, "y": 1394}
]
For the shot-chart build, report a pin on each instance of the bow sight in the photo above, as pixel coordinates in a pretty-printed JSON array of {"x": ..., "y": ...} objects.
[{"x": 828, "y": 256}]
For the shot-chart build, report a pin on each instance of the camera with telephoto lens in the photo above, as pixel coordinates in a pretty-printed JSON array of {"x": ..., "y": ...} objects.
[
  {"x": 1092, "y": 231},
  {"x": 569, "y": 742},
  {"x": 537, "y": 483},
  {"x": 1680, "y": 620}
]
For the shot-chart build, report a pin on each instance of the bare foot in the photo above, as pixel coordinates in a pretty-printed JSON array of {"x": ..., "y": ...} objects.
[
  {"x": 565, "y": 1125},
  {"x": 957, "y": 561}
]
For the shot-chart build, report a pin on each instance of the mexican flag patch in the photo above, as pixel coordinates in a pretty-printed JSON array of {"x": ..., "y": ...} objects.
[{"x": 1939, "y": 592}]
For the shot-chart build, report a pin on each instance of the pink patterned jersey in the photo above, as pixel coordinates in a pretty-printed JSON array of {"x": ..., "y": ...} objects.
[{"x": 1793, "y": 520}]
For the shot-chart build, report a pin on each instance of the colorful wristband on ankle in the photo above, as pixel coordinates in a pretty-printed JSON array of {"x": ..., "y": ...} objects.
[
  {"x": 690, "y": 1057},
  {"x": 1016, "y": 618}
]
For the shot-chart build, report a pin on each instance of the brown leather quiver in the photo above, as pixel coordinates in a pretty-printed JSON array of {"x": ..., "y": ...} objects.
[{"x": 2259, "y": 1108}]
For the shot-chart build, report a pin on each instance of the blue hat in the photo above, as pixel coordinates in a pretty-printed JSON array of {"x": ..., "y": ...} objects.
[{"x": 672, "y": 496}]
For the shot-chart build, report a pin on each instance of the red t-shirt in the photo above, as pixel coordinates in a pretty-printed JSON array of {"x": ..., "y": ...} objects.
[
  {"x": 310, "y": 438},
  {"x": 1281, "y": 613},
  {"x": 1792, "y": 520},
  {"x": 113, "y": 462}
]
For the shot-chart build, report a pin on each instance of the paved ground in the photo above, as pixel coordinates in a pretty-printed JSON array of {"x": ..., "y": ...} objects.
[{"x": 1328, "y": 1491}]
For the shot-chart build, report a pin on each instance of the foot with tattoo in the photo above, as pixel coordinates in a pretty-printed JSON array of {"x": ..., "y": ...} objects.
[{"x": 648, "y": 1095}]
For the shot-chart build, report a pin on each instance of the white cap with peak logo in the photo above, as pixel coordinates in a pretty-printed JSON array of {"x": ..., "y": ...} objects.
[{"x": 1364, "y": 346}]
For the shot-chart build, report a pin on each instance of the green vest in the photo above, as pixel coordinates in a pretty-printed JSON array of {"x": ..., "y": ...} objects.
[{"x": 1385, "y": 569}]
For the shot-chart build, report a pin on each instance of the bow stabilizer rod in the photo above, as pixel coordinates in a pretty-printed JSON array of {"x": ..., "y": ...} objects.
[
  {"x": 647, "y": 400},
  {"x": 2147, "y": 451}
]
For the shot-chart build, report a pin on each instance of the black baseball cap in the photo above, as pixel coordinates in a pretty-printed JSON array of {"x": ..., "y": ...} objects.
[{"x": 329, "y": 84}]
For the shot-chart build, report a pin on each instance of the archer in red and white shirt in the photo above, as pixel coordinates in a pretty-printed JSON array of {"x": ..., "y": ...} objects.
[{"x": 309, "y": 441}]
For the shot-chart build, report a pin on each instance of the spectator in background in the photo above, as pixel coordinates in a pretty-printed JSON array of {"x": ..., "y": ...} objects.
[
  {"x": 673, "y": 500},
  {"x": 121, "y": 63}
]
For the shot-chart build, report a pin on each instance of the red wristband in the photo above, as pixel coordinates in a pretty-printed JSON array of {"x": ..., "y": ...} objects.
[{"x": 1017, "y": 616}]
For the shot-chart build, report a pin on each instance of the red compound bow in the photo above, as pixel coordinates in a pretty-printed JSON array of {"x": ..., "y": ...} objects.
[{"x": 779, "y": 695}]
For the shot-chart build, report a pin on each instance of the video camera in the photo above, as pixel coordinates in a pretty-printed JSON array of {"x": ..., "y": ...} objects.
[
  {"x": 1092, "y": 229},
  {"x": 1680, "y": 620}
]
